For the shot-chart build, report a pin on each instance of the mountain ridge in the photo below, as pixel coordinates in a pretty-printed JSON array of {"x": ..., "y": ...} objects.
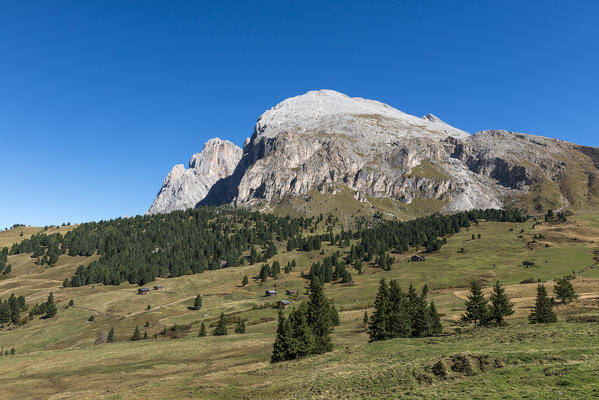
[{"x": 328, "y": 142}]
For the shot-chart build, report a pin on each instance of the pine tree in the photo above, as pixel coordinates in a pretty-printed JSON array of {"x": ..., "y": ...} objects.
[
  {"x": 276, "y": 269},
  {"x": 202, "y": 331},
  {"x": 240, "y": 328},
  {"x": 110, "y": 337},
  {"x": 435, "y": 326},
  {"x": 501, "y": 306},
  {"x": 145, "y": 334},
  {"x": 245, "y": 281},
  {"x": 398, "y": 322},
  {"x": 302, "y": 342},
  {"x": 334, "y": 316},
  {"x": 319, "y": 319},
  {"x": 136, "y": 334},
  {"x": 50, "y": 310},
  {"x": 282, "y": 344},
  {"x": 379, "y": 321},
  {"x": 564, "y": 291},
  {"x": 543, "y": 311},
  {"x": 420, "y": 318},
  {"x": 221, "y": 326},
  {"x": 365, "y": 319},
  {"x": 197, "y": 303},
  {"x": 253, "y": 256},
  {"x": 476, "y": 306}
]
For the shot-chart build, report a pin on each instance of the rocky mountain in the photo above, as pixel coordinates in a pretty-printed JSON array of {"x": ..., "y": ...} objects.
[
  {"x": 184, "y": 188},
  {"x": 327, "y": 143}
]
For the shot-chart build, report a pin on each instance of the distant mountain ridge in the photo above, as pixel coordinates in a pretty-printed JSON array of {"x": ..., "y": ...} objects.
[
  {"x": 184, "y": 188},
  {"x": 327, "y": 142}
]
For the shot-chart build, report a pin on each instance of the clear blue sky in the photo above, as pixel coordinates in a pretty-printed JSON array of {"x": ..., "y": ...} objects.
[{"x": 99, "y": 99}]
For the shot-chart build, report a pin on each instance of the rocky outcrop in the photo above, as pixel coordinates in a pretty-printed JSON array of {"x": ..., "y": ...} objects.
[
  {"x": 184, "y": 188},
  {"x": 328, "y": 142}
]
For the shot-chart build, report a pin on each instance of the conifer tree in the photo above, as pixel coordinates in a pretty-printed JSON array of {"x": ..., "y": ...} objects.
[
  {"x": 543, "y": 311},
  {"x": 501, "y": 306},
  {"x": 476, "y": 306},
  {"x": 319, "y": 319},
  {"x": 276, "y": 269},
  {"x": 136, "y": 334},
  {"x": 240, "y": 328},
  {"x": 379, "y": 321},
  {"x": 365, "y": 319},
  {"x": 435, "y": 326},
  {"x": 282, "y": 346},
  {"x": 564, "y": 291},
  {"x": 302, "y": 341},
  {"x": 221, "y": 326},
  {"x": 254, "y": 256},
  {"x": 50, "y": 309},
  {"x": 202, "y": 331},
  {"x": 110, "y": 337},
  {"x": 197, "y": 303},
  {"x": 334, "y": 316},
  {"x": 398, "y": 322},
  {"x": 145, "y": 334},
  {"x": 244, "y": 281},
  {"x": 420, "y": 317},
  {"x": 265, "y": 272}
]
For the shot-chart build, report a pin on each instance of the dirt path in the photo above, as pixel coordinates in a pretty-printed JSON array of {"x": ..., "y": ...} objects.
[{"x": 159, "y": 307}]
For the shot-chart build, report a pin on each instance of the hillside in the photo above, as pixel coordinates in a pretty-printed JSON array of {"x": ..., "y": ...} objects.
[
  {"x": 59, "y": 358},
  {"x": 324, "y": 143}
]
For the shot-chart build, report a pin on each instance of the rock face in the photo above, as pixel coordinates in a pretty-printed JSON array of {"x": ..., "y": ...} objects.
[
  {"x": 184, "y": 188},
  {"x": 329, "y": 142}
]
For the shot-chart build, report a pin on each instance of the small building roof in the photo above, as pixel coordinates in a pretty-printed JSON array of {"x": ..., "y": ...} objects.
[
  {"x": 284, "y": 302},
  {"x": 271, "y": 291},
  {"x": 144, "y": 289}
]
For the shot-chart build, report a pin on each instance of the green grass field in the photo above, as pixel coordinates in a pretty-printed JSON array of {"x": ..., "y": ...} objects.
[{"x": 58, "y": 358}]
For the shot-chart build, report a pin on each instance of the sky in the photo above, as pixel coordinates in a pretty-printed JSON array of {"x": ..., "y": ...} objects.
[{"x": 99, "y": 99}]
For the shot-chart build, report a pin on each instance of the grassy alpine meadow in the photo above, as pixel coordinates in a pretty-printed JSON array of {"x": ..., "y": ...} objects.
[{"x": 66, "y": 357}]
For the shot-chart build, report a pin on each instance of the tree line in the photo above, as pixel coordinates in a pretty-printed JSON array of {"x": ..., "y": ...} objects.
[{"x": 140, "y": 249}]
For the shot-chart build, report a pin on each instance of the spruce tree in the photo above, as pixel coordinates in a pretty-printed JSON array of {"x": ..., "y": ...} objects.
[
  {"x": 202, "y": 331},
  {"x": 110, "y": 337},
  {"x": 379, "y": 321},
  {"x": 276, "y": 269},
  {"x": 334, "y": 316},
  {"x": 136, "y": 334},
  {"x": 240, "y": 328},
  {"x": 435, "y": 326},
  {"x": 302, "y": 342},
  {"x": 282, "y": 344},
  {"x": 319, "y": 319},
  {"x": 543, "y": 311},
  {"x": 501, "y": 306},
  {"x": 564, "y": 291},
  {"x": 420, "y": 318},
  {"x": 476, "y": 306},
  {"x": 197, "y": 303},
  {"x": 365, "y": 319},
  {"x": 245, "y": 281},
  {"x": 145, "y": 334},
  {"x": 398, "y": 322},
  {"x": 221, "y": 326}
]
